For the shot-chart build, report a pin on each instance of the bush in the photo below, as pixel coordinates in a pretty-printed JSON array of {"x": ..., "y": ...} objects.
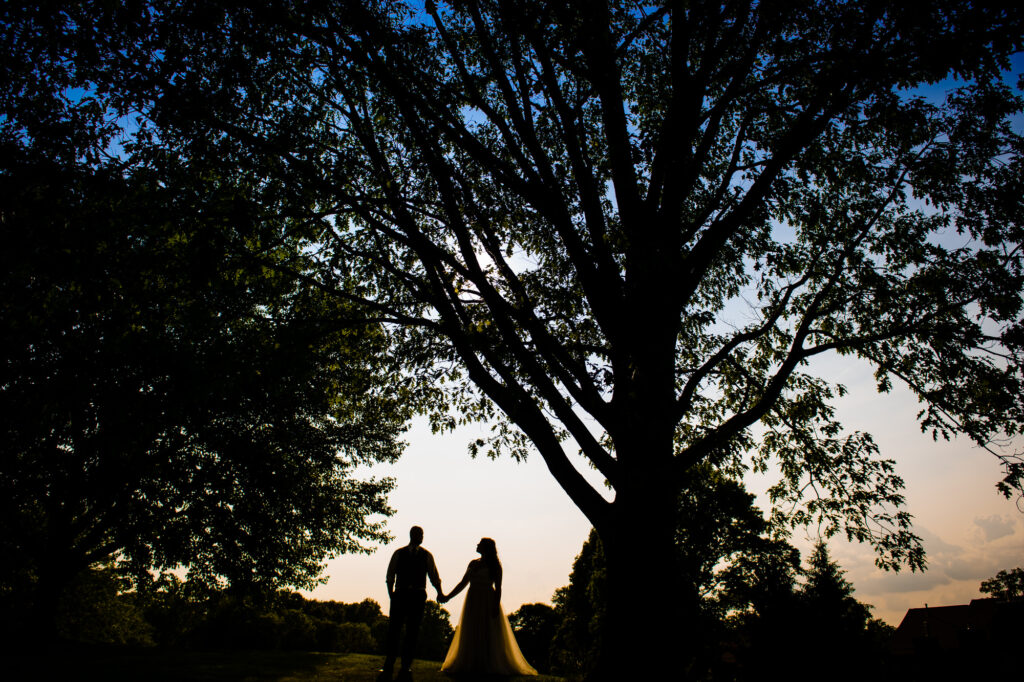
[
  {"x": 436, "y": 632},
  {"x": 298, "y": 631},
  {"x": 234, "y": 623},
  {"x": 93, "y": 611},
  {"x": 379, "y": 630},
  {"x": 536, "y": 626},
  {"x": 345, "y": 638},
  {"x": 355, "y": 638}
]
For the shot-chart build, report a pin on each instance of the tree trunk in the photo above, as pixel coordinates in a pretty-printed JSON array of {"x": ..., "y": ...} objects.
[
  {"x": 651, "y": 618},
  {"x": 43, "y": 629}
]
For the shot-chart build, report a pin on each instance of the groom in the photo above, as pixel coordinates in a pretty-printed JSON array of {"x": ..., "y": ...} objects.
[{"x": 407, "y": 588}]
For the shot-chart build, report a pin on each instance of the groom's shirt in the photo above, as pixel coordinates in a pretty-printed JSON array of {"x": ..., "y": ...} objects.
[{"x": 410, "y": 567}]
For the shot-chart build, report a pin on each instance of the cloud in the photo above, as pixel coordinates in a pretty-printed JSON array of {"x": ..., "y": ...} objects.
[
  {"x": 953, "y": 573},
  {"x": 949, "y": 563},
  {"x": 936, "y": 547},
  {"x": 888, "y": 583},
  {"x": 1006, "y": 555},
  {"x": 995, "y": 527},
  {"x": 946, "y": 563},
  {"x": 972, "y": 568}
]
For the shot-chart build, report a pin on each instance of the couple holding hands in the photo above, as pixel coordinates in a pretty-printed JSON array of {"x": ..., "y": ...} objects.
[{"x": 484, "y": 643}]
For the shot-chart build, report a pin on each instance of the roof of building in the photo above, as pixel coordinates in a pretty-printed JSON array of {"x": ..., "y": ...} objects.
[{"x": 948, "y": 627}]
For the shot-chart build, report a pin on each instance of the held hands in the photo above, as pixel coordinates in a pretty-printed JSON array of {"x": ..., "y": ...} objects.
[{"x": 442, "y": 597}]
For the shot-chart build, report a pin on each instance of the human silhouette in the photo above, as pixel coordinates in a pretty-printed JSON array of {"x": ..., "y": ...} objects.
[
  {"x": 407, "y": 588},
  {"x": 484, "y": 643}
]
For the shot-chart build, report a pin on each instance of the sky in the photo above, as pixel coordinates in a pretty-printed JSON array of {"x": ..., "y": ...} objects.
[{"x": 970, "y": 531}]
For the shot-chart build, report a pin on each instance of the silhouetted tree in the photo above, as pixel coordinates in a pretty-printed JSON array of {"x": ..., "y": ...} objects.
[
  {"x": 737, "y": 561},
  {"x": 436, "y": 633},
  {"x": 835, "y": 626},
  {"x": 1005, "y": 585},
  {"x": 535, "y": 626},
  {"x": 181, "y": 614},
  {"x": 826, "y": 588},
  {"x": 581, "y": 609},
  {"x": 809, "y": 626},
  {"x": 96, "y": 610},
  {"x": 165, "y": 403},
  {"x": 175, "y": 608},
  {"x": 625, "y": 229}
]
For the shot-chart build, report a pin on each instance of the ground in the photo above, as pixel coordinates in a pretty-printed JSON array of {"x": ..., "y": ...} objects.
[{"x": 243, "y": 666}]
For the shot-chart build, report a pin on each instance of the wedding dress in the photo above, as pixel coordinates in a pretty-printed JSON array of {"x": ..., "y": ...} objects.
[{"x": 484, "y": 642}]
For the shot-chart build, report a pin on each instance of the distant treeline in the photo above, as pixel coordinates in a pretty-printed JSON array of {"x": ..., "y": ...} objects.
[
  {"x": 757, "y": 632},
  {"x": 96, "y": 610},
  {"x": 104, "y": 608}
]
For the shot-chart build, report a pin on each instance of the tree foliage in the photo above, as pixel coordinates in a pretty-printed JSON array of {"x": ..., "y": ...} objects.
[
  {"x": 167, "y": 403},
  {"x": 96, "y": 611},
  {"x": 763, "y": 614},
  {"x": 581, "y": 609},
  {"x": 523, "y": 188},
  {"x": 628, "y": 229},
  {"x": 1005, "y": 585},
  {"x": 836, "y": 625},
  {"x": 535, "y": 627}
]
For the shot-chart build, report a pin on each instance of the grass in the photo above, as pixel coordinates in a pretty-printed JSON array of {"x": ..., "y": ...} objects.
[{"x": 243, "y": 666}]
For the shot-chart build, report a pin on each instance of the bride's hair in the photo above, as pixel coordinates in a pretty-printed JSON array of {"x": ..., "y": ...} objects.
[{"x": 489, "y": 551}]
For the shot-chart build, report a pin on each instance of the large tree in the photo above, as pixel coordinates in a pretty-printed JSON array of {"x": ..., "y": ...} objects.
[
  {"x": 626, "y": 229},
  {"x": 165, "y": 404},
  {"x": 742, "y": 566}
]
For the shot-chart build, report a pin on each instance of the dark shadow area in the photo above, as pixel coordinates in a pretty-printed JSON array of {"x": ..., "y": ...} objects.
[
  {"x": 103, "y": 664},
  {"x": 99, "y": 664},
  {"x": 95, "y": 625},
  {"x": 979, "y": 640}
]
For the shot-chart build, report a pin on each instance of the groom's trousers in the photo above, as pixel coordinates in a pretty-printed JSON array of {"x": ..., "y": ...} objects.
[{"x": 406, "y": 610}]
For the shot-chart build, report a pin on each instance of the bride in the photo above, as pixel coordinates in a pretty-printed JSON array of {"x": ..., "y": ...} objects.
[{"x": 484, "y": 642}]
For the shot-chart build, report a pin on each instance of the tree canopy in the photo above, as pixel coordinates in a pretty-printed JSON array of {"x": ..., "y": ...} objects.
[
  {"x": 1005, "y": 585},
  {"x": 627, "y": 229},
  {"x": 167, "y": 403}
]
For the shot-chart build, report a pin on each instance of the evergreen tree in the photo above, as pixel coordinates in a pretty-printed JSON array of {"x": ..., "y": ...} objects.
[{"x": 835, "y": 626}]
